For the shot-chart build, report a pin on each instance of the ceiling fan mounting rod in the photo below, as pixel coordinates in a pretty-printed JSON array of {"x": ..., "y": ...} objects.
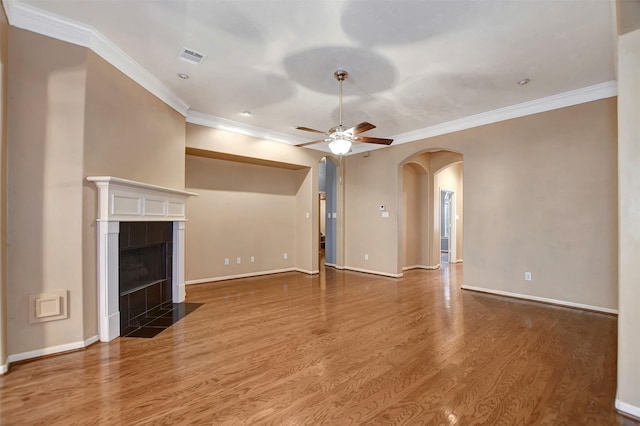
[{"x": 340, "y": 75}]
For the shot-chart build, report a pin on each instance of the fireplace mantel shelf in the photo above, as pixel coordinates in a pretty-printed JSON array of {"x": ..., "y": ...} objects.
[
  {"x": 128, "y": 200},
  {"x": 122, "y": 200}
]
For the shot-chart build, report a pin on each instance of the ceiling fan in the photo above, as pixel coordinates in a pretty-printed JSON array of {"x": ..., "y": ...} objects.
[{"x": 340, "y": 137}]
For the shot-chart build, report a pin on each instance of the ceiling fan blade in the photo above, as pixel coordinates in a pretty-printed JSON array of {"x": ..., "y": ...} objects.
[
  {"x": 310, "y": 143},
  {"x": 361, "y": 128},
  {"x": 307, "y": 129},
  {"x": 380, "y": 141}
]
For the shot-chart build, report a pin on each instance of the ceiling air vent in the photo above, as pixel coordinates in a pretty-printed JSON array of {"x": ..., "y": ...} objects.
[{"x": 191, "y": 56}]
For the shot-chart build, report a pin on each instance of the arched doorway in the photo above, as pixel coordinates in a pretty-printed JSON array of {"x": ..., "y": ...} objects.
[{"x": 422, "y": 177}]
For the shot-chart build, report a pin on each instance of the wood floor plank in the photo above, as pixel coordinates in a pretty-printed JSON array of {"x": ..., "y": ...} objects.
[{"x": 338, "y": 348}]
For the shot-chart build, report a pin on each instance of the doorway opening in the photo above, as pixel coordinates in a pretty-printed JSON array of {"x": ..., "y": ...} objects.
[
  {"x": 447, "y": 226},
  {"x": 328, "y": 199},
  {"x": 431, "y": 221}
]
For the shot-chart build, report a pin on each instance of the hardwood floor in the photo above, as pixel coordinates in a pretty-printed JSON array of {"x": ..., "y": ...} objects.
[{"x": 340, "y": 348}]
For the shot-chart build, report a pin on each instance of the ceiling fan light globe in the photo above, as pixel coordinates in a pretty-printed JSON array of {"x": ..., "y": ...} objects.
[{"x": 340, "y": 146}]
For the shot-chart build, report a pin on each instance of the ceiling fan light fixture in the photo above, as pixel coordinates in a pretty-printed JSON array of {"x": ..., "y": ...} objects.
[
  {"x": 340, "y": 146},
  {"x": 341, "y": 137}
]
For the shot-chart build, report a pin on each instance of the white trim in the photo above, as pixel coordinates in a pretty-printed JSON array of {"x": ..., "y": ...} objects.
[
  {"x": 236, "y": 276},
  {"x": 541, "y": 299},
  {"x": 52, "y": 350},
  {"x": 212, "y": 121},
  {"x": 561, "y": 100},
  {"x": 456, "y": 261},
  {"x": 30, "y": 18},
  {"x": 91, "y": 340},
  {"x": 130, "y": 201},
  {"x": 628, "y": 409},
  {"x": 365, "y": 271},
  {"x": 178, "y": 290},
  {"x": 430, "y": 268},
  {"x": 123, "y": 200},
  {"x": 4, "y": 368},
  {"x": 369, "y": 271},
  {"x": 307, "y": 271}
]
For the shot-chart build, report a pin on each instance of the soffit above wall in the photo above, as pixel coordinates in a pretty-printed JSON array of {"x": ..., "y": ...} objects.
[
  {"x": 628, "y": 15},
  {"x": 242, "y": 159}
]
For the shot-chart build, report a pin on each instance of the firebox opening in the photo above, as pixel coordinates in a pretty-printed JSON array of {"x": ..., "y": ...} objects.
[{"x": 145, "y": 273}]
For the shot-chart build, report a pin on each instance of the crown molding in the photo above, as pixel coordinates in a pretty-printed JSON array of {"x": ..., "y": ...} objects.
[
  {"x": 561, "y": 100},
  {"x": 30, "y": 18},
  {"x": 207, "y": 120}
]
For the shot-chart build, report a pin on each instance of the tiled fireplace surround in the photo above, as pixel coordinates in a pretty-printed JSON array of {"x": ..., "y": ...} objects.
[{"x": 121, "y": 200}]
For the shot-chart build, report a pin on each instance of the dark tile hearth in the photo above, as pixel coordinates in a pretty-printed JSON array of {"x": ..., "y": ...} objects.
[{"x": 159, "y": 319}]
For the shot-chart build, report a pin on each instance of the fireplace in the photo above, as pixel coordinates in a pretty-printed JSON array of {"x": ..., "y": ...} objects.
[
  {"x": 138, "y": 221},
  {"x": 145, "y": 272}
]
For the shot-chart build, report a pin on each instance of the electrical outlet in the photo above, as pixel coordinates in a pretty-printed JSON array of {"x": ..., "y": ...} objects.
[
  {"x": 527, "y": 276},
  {"x": 286, "y": 256},
  {"x": 238, "y": 260},
  {"x": 226, "y": 260},
  {"x": 253, "y": 259},
  {"x": 366, "y": 257}
]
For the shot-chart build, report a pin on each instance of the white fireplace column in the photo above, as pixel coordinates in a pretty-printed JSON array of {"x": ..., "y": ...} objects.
[{"x": 122, "y": 200}]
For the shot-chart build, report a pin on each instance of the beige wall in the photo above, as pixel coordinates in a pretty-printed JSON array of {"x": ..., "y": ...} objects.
[
  {"x": 45, "y": 149},
  {"x": 548, "y": 180},
  {"x": 414, "y": 179},
  {"x": 302, "y": 187},
  {"x": 130, "y": 134},
  {"x": 307, "y": 220},
  {"x": 369, "y": 182},
  {"x": 4, "y": 52},
  {"x": 629, "y": 226},
  {"x": 241, "y": 210},
  {"x": 72, "y": 115}
]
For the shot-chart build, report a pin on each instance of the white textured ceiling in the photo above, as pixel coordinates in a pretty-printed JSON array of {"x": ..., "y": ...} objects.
[{"x": 412, "y": 64}]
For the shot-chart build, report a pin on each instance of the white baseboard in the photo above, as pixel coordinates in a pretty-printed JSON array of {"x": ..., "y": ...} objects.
[
  {"x": 247, "y": 275},
  {"x": 456, "y": 261},
  {"x": 541, "y": 299},
  {"x": 52, "y": 350},
  {"x": 366, "y": 271},
  {"x": 369, "y": 271},
  {"x": 430, "y": 268},
  {"x": 628, "y": 409},
  {"x": 4, "y": 368},
  {"x": 308, "y": 272}
]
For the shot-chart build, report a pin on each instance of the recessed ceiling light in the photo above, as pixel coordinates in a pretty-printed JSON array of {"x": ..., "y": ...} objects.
[
  {"x": 246, "y": 113},
  {"x": 523, "y": 81},
  {"x": 183, "y": 76}
]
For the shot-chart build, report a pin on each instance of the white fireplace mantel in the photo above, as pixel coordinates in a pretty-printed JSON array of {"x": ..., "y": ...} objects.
[{"x": 122, "y": 200}]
